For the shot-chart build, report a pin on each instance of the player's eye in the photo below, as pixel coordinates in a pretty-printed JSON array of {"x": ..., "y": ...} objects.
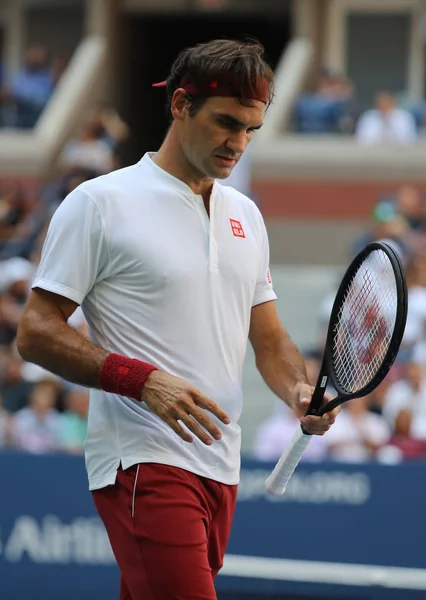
[{"x": 226, "y": 124}]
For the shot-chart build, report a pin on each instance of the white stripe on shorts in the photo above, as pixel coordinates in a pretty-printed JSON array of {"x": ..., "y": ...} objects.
[{"x": 134, "y": 491}]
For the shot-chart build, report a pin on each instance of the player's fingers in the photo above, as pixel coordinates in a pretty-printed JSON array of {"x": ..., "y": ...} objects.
[
  {"x": 196, "y": 430},
  {"x": 177, "y": 428},
  {"x": 305, "y": 395},
  {"x": 335, "y": 411},
  {"x": 211, "y": 406},
  {"x": 200, "y": 416},
  {"x": 331, "y": 415},
  {"x": 315, "y": 425}
]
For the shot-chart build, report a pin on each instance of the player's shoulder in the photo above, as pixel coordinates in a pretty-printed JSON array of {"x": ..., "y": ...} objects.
[{"x": 101, "y": 186}]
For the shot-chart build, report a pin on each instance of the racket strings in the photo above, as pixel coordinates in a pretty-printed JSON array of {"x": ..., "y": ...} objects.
[{"x": 365, "y": 323}]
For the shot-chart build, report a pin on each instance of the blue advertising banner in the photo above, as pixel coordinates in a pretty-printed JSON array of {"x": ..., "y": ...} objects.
[
  {"x": 339, "y": 531},
  {"x": 52, "y": 543}
]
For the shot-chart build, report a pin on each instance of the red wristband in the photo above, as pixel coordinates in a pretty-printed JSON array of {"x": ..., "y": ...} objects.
[{"x": 124, "y": 376}]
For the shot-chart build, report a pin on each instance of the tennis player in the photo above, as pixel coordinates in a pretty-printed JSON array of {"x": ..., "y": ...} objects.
[{"x": 171, "y": 270}]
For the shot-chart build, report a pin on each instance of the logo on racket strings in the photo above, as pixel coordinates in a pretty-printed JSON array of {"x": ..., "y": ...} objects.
[{"x": 369, "y": 330}]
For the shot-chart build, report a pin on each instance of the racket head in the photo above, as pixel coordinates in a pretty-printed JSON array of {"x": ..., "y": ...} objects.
[{"x": 378, "y": 308}]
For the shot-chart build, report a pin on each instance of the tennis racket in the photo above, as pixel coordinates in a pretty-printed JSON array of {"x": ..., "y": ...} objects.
[{"x": 366, "y": 326}]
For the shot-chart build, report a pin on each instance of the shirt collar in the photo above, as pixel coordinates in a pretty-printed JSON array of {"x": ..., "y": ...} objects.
[{"x": 178, "y": 184}]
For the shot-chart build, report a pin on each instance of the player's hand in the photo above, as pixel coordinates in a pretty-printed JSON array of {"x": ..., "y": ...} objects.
[
  {"x": 301, "y": 398},
  {"x": 173, "y": 399}
]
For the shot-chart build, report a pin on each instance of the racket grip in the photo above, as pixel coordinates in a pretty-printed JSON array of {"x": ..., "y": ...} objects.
[{"x": 277, "y": 481}]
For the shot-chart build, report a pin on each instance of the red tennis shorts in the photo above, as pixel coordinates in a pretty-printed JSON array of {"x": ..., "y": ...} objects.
[{"x": 168, "y": 529}]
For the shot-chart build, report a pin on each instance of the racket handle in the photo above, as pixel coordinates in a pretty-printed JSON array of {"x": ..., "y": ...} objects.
[{"x": 277, "y": 481}]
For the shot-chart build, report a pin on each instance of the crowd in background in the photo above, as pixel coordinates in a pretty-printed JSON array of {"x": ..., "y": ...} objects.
[
  {"x": 333, "y": 108},
  {"x": 41, "y": 413},
  {"x": 25, "y": 94}
]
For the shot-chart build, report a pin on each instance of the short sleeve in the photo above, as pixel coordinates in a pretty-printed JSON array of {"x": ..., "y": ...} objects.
[
  {"x": 264, "y": 291},
  {"x": 74, "y": 255}
]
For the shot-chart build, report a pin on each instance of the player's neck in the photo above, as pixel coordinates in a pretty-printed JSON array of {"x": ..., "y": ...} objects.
[{"x": 171, "y": 159}]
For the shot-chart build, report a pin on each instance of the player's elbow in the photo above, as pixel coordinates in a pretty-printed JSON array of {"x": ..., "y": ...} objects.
[{"x": 28, "y": 339}]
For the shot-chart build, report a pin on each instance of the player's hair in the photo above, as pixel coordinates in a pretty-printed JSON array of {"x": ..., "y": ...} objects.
[{"x": 241, "y": 62}]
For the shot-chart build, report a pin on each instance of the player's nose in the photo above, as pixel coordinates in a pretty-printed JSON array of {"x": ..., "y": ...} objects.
[{"x": 237, "y": 142}]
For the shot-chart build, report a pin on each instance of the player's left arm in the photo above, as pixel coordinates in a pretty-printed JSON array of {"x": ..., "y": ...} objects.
[{"x": 282, "y": 366}]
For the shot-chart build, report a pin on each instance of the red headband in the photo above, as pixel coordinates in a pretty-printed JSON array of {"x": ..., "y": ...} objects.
[{"x": 259, "y": 92}]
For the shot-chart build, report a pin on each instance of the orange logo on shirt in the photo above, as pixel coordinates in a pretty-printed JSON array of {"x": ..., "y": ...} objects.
[{"x": 237, "y": 228}]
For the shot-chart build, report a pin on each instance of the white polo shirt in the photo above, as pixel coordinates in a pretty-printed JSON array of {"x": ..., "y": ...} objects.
[{"x": 160, "y": 281}]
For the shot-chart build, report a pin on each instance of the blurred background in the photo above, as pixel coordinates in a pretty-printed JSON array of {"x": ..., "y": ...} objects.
[{"x": 339, "y": 162}]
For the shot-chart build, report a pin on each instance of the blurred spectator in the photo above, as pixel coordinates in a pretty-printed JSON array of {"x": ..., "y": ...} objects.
[
  {"x": 15, "y": 278},
  {"x": 37, "y": 427},
  {"x": 332, "y": 108},
  {"x": 95, "y": 148},
  {"x": 74, "y": 420},
  {"x": 16, "y": 275},
  {"x": 401, "y": 441},
  {"x": 13, "y": 212},
  {"x": 408, "y": 394},
  {"x": 377, "y": 397},
  {"x": 414, "y": 339},
  {"x": 14, "y": 389},
  {"x": 349, "y": 112},
  {"x": 387, "y": 224},
  {"x": 88, "y": 150},
  {"x": 415, "y": 328},
  {"x": 416, "y": 108},
  {"x": 409, "y": 203},
  {"x": 30, "y": 90},
  {"x": 18, "y": 225},
  {"x": 113, "y": 130},
  {"x": 386, "y": 123},
  {"x": 357, "y": 434},
  {"x": 10, "y": 314}
]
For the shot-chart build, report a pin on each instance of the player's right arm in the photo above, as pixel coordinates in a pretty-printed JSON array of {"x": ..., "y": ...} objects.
[
  {"x": 75, "y": 257},
  {"x": 45, "y": 338}
]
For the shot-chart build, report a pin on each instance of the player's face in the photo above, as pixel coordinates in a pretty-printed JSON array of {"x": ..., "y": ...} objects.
[{"x": 216, "y": 137}]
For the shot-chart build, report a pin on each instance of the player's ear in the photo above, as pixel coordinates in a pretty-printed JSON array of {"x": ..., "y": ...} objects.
[{"x": 179, "y": 104}]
